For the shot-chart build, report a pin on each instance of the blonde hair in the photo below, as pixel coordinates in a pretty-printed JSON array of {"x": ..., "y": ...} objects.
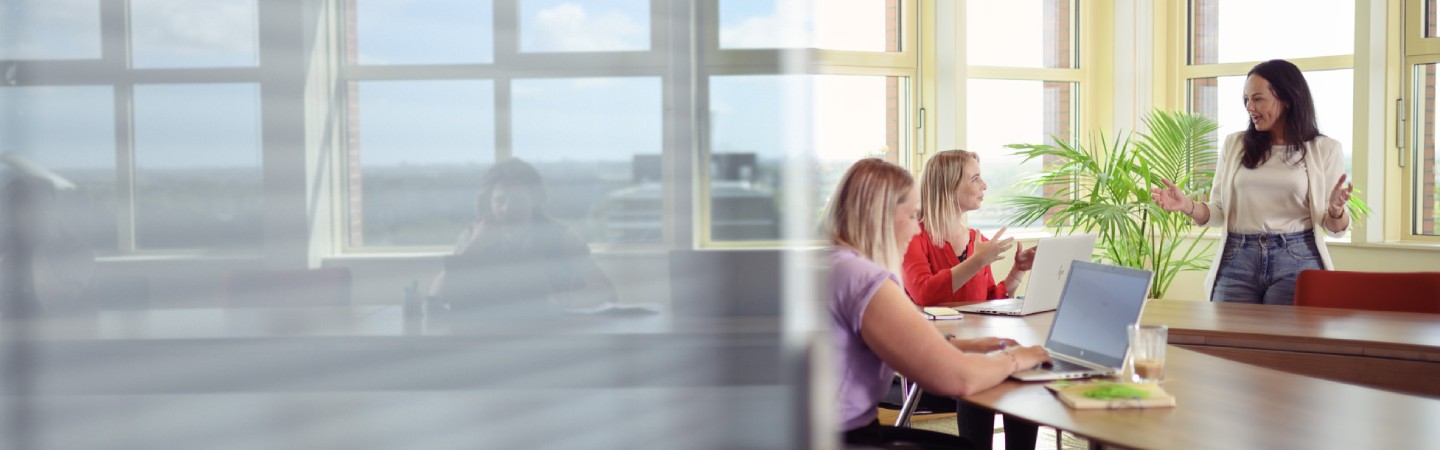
[
  {"x": 943, "y": 174},
  {"x": 862, "y": 212}
]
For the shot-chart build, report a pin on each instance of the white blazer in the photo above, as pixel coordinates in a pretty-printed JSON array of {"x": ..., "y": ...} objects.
[{"x": 1324, "y": 164}]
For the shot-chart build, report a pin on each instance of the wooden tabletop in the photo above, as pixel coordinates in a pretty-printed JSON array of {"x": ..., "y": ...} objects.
[{"x": 1226, "y": 403}]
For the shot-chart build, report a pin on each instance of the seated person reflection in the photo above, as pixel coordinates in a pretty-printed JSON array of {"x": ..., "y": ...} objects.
[
  {"x": 877, "y": 330},
  {"x": 515, "y": 261},
  {"x": 45, "y": 267}
]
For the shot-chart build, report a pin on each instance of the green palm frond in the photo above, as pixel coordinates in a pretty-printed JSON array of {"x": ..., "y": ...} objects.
[{"x": 1103, "y": 186}]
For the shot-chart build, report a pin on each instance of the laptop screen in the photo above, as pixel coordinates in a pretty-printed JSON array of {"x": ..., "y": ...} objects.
[{"x": 1096, "y": 305}]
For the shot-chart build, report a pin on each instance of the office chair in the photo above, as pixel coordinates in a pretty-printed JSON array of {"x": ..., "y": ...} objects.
[
  {"x": 1417, "y": 292},
  {"x": 328, "y": 286}
]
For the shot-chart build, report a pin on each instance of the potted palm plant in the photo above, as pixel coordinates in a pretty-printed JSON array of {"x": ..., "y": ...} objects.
[{"x": 1104, "y": 187}]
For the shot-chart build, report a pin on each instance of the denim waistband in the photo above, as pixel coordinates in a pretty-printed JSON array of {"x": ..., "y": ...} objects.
[{"x": 1280, "y": 238}]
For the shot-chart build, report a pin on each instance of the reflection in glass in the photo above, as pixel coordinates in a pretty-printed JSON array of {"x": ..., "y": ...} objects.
[
  {"x": 1223, "y": 100},
  {"x": 852, "y": 117},
  {"x": 50, "y": 29},
  {"x": 184, "y": 33},
  {"x": 423, "y": 32},
  {"x": 597, "y": 143},
  {"x": 584, "y": 26},
  {"x": 1003, "y": 112},
  {"x": 197, "y": 166},
  {"x": 854, "y": 25},
  {"x": 1226, "y": 31},
  {"x": 68, "y": 130},
  {"x": 1027, "y": 33},
  {"x": 1427, "y": 195},
  {"x": 417, "y": 150},
  {"x": 1430, "y": 18}
]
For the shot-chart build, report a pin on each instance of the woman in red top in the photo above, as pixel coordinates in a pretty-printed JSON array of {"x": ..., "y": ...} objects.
[{"x": 935, "y": 272}]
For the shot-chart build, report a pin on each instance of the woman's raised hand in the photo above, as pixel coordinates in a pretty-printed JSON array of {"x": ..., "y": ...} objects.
[
  {"x": 1170, "y": 198},
  {"x": 994, "y": 249}
]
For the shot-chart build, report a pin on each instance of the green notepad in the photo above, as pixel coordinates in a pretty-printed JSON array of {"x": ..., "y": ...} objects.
[{"x": 1111, "y": 395}]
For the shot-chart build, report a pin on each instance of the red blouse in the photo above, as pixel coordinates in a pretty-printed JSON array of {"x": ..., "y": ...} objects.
[{"x": 927, "y": 273}]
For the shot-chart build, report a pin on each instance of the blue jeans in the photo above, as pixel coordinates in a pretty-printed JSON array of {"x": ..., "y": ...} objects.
[{"x": 1262, "y": 268}]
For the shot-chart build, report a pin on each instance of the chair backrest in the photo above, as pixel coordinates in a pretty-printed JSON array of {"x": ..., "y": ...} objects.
[
  {"x": 328, "y": 286},
  {"x": 1373, "y": 291}
]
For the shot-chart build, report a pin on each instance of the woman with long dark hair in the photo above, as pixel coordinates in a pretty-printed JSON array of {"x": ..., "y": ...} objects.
[{"x": 1278, "y": 186}]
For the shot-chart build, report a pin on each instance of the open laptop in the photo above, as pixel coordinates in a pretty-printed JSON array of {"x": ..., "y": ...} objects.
[
  {"x": 1088, "y": 338},
  {"x": 1052, "y": 262}
]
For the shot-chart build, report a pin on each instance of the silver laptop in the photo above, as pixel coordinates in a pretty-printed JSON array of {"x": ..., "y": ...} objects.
[
  {"x": 1052, "y": 261},
  {"x": 1088, "y": 338}
]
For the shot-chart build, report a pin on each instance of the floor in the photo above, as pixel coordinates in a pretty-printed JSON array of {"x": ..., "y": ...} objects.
[{"x": 945, "y": 423}]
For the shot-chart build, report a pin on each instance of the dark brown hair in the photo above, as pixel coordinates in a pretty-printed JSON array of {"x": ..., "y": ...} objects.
[{"x": 1288, "y": 86}]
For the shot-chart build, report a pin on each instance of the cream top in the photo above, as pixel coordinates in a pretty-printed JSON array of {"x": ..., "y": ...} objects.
[{"x": 1274, "y": 196}]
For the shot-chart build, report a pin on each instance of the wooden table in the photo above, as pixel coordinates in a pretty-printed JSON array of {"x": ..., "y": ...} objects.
[
  {"x": 1388, "y": 350},
  {"x": 1231, "y": 404}
]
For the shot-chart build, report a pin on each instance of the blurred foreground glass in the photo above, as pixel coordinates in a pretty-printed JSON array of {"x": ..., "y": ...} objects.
[
  {"x": 49, "y": 29},
  {"x": 1147, "y": 352}
]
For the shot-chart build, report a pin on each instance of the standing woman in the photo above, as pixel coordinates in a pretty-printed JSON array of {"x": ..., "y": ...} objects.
[
  {"x": 875, "y": 326},
  {"x": 936, "y": 272},
  {"x": 1279, "y": 185}
]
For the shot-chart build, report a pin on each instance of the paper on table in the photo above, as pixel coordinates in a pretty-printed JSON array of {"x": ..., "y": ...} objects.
[{"x": 941, "y": 313}]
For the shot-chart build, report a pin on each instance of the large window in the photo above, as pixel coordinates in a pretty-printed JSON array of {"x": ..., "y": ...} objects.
[
  {"x": 1226, "y": 38},
  {"x": 1023, "y": 92},
  {"x": 147, "y": 115},
  {"x": 575, "y": 88},
  {"x": 1421, "y": 180}
]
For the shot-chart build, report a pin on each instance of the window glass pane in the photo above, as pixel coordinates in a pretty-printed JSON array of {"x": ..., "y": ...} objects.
[
  {"x": 1025, "y": 33},
  {"x": 417, "y": 152},
  {"x": 1427, "y": 195},
  {"x": 596, "y": 142},
  {"x": 197, "y": 166},
  {"x": 423, "y": 32},
  {"x": 185, "y": 33},
  {"x": 1223, "y": 100},
  {"x": 50, "y": 29},
  {"x": 855, "y": 25},
  {"x": 1002, "y": 112},
  {"x": 70, "y": 131},
  {"x": 1430, "y": 18},
  {"x": 584, "y": 26},
  {"x": 1225, "y": 31},
  {"x": 854, "y": 117}
]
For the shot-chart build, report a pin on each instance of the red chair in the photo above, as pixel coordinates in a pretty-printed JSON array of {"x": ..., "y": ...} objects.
[
  {"x": 329, "y": 286},
  {"x": 1373, "y": 291}
]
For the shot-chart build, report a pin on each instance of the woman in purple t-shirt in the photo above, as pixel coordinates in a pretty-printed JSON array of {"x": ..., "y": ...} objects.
[{"x": 875, "y": 326}]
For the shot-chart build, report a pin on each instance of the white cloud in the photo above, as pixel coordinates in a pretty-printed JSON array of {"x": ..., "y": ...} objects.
[
  {"x": 182, "y": 27},
  {"x": 569, "y": 27}
]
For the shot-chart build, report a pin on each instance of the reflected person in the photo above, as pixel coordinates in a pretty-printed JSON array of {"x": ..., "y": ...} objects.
[
  {"x": 45, "y": 267},
  {"x": 516, "y": 261}
]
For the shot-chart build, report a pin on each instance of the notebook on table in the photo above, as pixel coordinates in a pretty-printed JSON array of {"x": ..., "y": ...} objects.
[
  {"x": 1087, "y": 337},
  {"x": 1047, "y": 274}
]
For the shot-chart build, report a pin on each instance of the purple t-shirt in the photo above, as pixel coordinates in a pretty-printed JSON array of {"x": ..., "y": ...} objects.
[{"x": 865, "y": 379}]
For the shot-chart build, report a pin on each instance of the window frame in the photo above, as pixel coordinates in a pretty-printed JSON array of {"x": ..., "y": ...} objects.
[{"x": 1417, "y": 50}]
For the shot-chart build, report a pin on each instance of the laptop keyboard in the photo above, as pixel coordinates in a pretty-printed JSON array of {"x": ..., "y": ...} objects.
[{"x": 1060, "y": 365}]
